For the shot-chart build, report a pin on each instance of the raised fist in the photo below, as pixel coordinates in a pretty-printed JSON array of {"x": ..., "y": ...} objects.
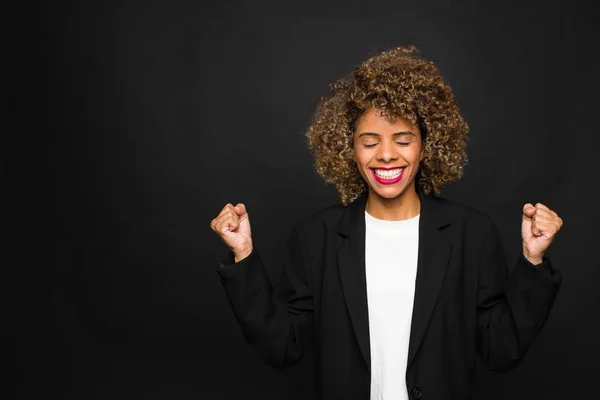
[
  {"x": 233, "y": 227},
  {"x": 538, "y": 229}
]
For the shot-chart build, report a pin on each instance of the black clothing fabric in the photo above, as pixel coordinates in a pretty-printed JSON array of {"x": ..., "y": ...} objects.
[{"x": 465, "y": 304}]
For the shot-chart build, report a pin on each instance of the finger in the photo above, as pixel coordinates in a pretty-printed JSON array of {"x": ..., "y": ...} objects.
[
  {"x": 227, "y": 208},
  {"x": 553, "y": 226},
  {"x": 240, "y": 210},
  {"x": 528, "y": 211},
  {"x": 221, "y": 225},
  {"x": 541, "y": 206},
  {"x": 229, "y": 223},
  {"x": 547, "y": 229},
  {"x": 215, "y": 225},
  {"x": 543, "y": 216},
  {"x": 546, "y": 211},
  {"x": 535, "y": 230},
  {"x": 225, "y": 215}
]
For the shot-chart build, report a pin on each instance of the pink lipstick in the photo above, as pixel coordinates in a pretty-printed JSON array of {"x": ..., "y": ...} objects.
[{"x": 388, "y": 181}]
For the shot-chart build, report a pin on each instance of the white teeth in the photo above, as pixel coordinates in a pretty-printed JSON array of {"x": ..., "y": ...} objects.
[{"x": 389, "y": 174}]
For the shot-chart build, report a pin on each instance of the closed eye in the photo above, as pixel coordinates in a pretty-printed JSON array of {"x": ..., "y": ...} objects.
[{"x": 375, "y": 144}]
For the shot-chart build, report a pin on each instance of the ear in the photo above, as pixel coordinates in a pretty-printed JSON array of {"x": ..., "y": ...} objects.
[{"x": 422, "y": 154}]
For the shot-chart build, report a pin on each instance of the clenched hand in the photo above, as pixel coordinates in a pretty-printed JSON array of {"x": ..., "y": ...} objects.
[{"x": 233, "y": 227}]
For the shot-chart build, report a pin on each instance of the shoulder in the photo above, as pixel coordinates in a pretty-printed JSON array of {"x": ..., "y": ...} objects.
[
  {"x": 321, "y": 220},
  {"x": 461, "y": 213}
]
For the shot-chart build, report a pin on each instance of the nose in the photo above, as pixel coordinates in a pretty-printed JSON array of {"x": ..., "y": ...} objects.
[{"x": 386, "y": 151}]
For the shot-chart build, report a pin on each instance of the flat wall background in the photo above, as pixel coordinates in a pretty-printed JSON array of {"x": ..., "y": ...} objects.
[{"x": 148, "y": 117}]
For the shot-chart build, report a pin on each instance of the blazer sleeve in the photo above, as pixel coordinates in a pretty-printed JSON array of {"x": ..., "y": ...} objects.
[
  {"x": 279, "y": 325},
  {"x": 511, "y": 310}
]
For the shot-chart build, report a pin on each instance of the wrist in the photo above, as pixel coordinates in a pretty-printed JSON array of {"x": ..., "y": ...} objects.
[
  {"x": 534, "y": 259},
  {"x": 239, "y": 255}
]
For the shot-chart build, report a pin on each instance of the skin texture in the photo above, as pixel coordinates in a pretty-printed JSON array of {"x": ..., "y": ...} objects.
[
  {"x": 402, "y": 84},
  {"x": 375, "y": 145},
  {"x": 233, "y": 227},
  {"x": 394, "y": 91},
  {"x": 538, "y": 229}
]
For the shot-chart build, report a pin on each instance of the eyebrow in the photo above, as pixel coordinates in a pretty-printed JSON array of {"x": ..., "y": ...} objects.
[{"x": 394, "y": 134}]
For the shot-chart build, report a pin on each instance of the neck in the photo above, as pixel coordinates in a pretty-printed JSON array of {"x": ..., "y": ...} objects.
[{"x": 405, "y": 206}]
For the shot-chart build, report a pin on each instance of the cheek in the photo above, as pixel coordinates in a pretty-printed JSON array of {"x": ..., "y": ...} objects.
[
  {"x": 360, "y": 160},
  {"x": 357, "y": 155},
  {"x": 417, "y": 155}
]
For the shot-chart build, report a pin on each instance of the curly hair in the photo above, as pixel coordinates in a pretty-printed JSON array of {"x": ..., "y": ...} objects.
[{"x": 398, "y": 83}]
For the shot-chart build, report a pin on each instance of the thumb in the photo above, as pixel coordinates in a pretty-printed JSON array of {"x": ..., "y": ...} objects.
[
  {"x": 528, "y": 211},
  {"x": 240, "y": 210},
  {"x": 244, "y": 220},
  {"x": 527, "y": 221},
  {"x": 242, "y": 213}
]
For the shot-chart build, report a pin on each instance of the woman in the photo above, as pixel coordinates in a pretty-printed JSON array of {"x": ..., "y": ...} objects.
[{"x": 399, "y": 289}]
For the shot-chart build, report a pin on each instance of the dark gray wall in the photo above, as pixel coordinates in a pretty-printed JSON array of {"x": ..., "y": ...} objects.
[{"x": 150, "y": 116}]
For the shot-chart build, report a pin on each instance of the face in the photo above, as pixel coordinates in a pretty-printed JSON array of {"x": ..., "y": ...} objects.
[{"x": 387, "y": 154}]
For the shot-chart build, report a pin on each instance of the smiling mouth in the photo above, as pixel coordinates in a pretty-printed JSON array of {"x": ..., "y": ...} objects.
[
  {"x": 388, "y": 177},
  {"x": 388, "y": 174}
]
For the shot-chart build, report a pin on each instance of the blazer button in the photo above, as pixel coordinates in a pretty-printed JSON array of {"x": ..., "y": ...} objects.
[{"x": 416, "y": 393}]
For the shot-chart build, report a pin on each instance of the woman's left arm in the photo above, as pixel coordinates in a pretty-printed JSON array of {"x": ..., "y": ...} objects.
[{"x": 511, "y": 310}]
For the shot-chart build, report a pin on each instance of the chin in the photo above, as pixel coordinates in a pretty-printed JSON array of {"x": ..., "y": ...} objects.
[{"x": 388, "y": 194}]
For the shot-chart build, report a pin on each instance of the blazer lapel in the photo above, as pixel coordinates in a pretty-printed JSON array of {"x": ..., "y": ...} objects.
[
  {"x": 433, "y": 255},
  {"x": 351, "y": 264}
]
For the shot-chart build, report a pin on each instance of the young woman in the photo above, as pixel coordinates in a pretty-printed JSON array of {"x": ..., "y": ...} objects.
[{"x": 399, "y": 289}]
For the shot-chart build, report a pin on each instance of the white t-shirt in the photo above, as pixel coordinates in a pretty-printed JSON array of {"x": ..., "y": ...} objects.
[{"x": 391, "y": 252}]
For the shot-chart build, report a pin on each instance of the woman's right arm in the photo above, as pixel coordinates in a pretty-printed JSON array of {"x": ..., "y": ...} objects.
[{"x": 279, "y": 326}]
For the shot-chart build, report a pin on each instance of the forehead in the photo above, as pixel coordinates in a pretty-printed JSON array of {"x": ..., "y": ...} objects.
[{"x": 373, "y": 121}]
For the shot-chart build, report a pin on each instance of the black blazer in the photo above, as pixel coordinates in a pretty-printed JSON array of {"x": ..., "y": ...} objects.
[{"x": 465, "y": 303}]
